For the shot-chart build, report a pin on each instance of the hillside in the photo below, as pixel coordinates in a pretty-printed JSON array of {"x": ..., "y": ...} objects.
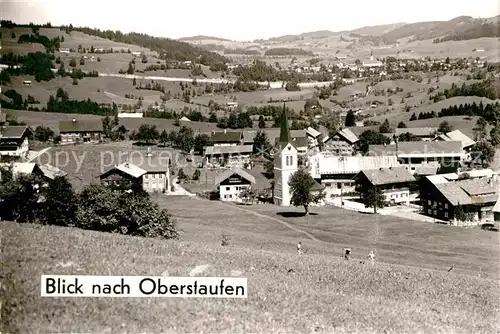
[
  {"x": 287, "y": 293},
  {"x": 202, "y": 38},
  {"x": 377, "y": 30}
]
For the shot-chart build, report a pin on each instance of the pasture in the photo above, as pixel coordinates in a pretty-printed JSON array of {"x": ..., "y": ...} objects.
[{"x": 316, "y": 292}]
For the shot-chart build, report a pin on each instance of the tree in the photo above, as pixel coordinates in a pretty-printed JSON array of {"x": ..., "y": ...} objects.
[
  {"x": 164, "y": 138},
  {"x": 480, "y": 129},
  {"x": 301, "y": 186},
  {"x": 72, "y": 62},
  {"x": 147, "y": 134},
  {"x": 134, "y": 82},
  {"x": 185, "y": 139},
  {"x": 130, "y": 69},
  {"x": 75, "y": 81},
  {"x": 181, "y": 175},
  {"x": 262, "y": 123},
  {"x": 385, "y": 127},
  {"x": 60, "y": 202},
  {"x": 43, "y": 133},
  {"x": 484, "y": 152},
  {"x": 495, "y": 136},
  {"x": 371, "y": 196},
  {"x": 401, "y": 125},
  {"x": 407, "y": 136},
  {"x": 98, "y": 59},
  {"x": 82, "y": 61},
  {"x": 144, "y": 59},
  {"x": 370, "y": 137},
  {"x": 413, "y": 117},
  {"x": 445, "y": 127},
  {"x": 261, "y": 144},
  {"x": 350, "y": 119},
  {"x": 196, "y": 175},
  {"x": 200, "y": 142}
]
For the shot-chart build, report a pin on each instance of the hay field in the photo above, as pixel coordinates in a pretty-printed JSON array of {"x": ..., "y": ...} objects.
[{"x": 324, "y": 293}]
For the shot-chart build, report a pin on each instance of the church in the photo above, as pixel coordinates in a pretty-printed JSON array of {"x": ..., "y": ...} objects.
[{"x": 286, "y": 157}]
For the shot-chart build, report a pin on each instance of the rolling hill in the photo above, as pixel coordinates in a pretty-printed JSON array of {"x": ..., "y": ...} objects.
[{"x": 202, "y": 38}]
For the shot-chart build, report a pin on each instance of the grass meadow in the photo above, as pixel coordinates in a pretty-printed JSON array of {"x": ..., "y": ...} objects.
[{"x": 287, "y": 293}]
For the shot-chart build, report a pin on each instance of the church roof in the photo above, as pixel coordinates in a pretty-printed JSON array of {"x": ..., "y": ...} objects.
[{"x": 285, "y": 138}]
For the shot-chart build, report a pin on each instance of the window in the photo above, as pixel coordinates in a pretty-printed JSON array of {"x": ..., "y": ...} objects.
[
  {"x": 446, "y": 207},
  {"x": 146, "y": 176},
  {"x": 446, "y": 214},
  {"x": 429, "y": 202},
  {"x": 291, "y": 161},
  {"x": 339, "y": 185},
  {"x": 227, "y": 188},
  {"x": 287, "y": 160},
  {"x": 435, "y": 212}
]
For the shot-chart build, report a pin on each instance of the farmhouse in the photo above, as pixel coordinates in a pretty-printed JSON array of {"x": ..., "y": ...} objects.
[
  {"x": 232, "y": 183},
  {"x": 474, "y": 192},
  {"x": 393, "y": 181},
  {"x": 457, "y": 135},
  {"x": 421, "y": 153},
  {"x": 313, "y": 136},
  {"x": 336, "y": 172},
  {"x": 87, "y": 131},
  {"x": 227, "y": 155},
  {"x": 344, "y": 142},
  {"x": 45, "y": 172},
  {"x": 14, "y": 140},
  {"x": 147, "y": 172}
]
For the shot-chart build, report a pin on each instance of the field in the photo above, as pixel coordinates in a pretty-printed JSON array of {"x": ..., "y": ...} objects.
[{"x": 288, "y": 293}]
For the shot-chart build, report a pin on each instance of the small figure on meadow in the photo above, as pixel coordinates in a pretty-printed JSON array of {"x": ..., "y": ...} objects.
[
  {"x": 299, "y": 247},
  {"x": 371, "y": 256}
]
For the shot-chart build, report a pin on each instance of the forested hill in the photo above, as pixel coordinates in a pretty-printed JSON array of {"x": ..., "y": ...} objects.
[{"x": 167, "y": 48}]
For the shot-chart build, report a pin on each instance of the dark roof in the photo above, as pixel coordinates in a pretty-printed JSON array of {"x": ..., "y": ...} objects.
[
  {"x": 419, "y": 132},
  {"x": 472, "y": 191},
  {"x": 418, "y": 147},
  {"x": 80, "y": 126},
  {"x": 387, "y": 175},
  {"x": 238, "y": 149},
  {"x": 295, "y": 141},
  {"x": 13, "y": 132},
  {"x": 317, "y": 187},
  {"x": 284, "y": 128},
  {"x": 226, "y": 136}
]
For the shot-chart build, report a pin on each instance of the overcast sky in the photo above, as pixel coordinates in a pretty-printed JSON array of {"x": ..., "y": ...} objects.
[{"x": 239, "y": 20}]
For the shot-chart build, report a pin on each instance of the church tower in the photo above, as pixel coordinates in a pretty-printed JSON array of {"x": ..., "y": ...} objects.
[{"x": 285, "y": 163}]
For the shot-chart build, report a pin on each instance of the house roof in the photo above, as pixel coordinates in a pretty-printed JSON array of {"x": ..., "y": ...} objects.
[
  {"x": 349, "y": 135},
  {"x": 284, "y": 137},
  {"x": 457, "y": 135},
  {"x": 472, "y": 174},
  {"x": 238, "y": 149},
  {"x": 419, "y": 132},
  {"x": 185, "y": 119},
  {"x": 87, "y": 125},
  {"x": 389, "y": 175},
  {"x": 241, "y": 172},
  {"x": 418, "y": 147},
  {"x": 131, "y": 169},
  {"x": 313, "y": 132},
  {"x": 51, "y": 171},
  {"x": 334, "y": 164},
  {"x": 226, "y": 136},
  {"x": 150, "y": 164},
  {"x": 13, "y": 132},
  {"x": 317, "y": 187},
  {"x": 470, "y": 191}
]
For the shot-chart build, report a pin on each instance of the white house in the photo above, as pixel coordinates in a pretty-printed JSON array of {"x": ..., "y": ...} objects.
[
  {"x": 14, "y": 141},
  {"x": 232, "y": 183}
]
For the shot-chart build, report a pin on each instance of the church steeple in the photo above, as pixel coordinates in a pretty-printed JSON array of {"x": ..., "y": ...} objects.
[{"x": 285, "y": 129}]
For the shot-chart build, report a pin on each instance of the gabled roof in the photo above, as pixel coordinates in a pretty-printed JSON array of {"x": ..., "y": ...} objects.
[
  {"x": 313, "y": 132},
  {"x": 419, "y": 132},
  {"x": 239, "y": 171},
  {"x": 131, "y": 169},
  {"x": 86, "y": 125},
  {"x": 389, "y": 175},
  {"x": 418, "y": 147},
  {"x": 226, "y": 136},
  {"x": 51, "y": 171},
  {"x": 347, "y": 134},
  {"x": 13, "y": 132},
  {"x": 471, "y": 191},
  {"x": 457, "y": 135},
  {"x": 185, "y": 119},
  {"x": 285, "y": 136},
  {"x": 20, "y": 167}
]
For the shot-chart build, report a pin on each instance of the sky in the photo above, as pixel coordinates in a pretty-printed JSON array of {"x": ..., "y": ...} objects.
[{"x": 236, "y": 19}]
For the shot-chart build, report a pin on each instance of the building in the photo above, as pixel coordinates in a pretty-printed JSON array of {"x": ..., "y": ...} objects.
[
  {"x": 425, "y": 133},
  {"x": 149, "y": 172},
  {"x": 336, "y": 172},
  {"x": 285, "y": 163},
  {"x": 45, "y": 172},
  {"x": 14, "y": 140},
  {"x": 344, "y": 142},
  {"x": 394, "y": 182},
  {"x": 475, "y": 192},
  {"x": 223, "y": 155},
  {"x": 457, "y": 135},
  {"x": 313, "y": 136},
  {"x": 76, "y": 131},
  {"x": 417, "y": 154},
  {"x": 232, "y": 183}
]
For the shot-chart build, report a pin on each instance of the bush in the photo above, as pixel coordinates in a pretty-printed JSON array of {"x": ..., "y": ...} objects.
[{"x": 196, "y": 175}]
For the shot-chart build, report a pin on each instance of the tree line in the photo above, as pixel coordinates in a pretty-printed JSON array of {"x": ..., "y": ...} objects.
[
  {"x": 30, "y": 199},
  {"x": 488, "y": 88},
  {"x": 38, "y": 64},
  {"x": 287, "y": 52},
  {"x": 490, "y": 112},
  {"x": 50, "y": 45}
]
